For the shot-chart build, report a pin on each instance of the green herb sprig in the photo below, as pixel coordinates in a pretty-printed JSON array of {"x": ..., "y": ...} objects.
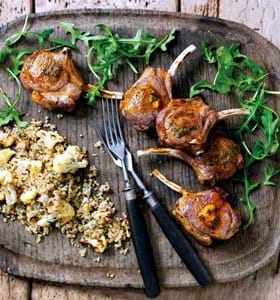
[
  {"x": 10, "y": 113},
  {"x": 108, "y": 50},
  {"x": 269, "y": 173},
  {"x": 238, "y": 75},
  {"x": 43, "y": 37}
]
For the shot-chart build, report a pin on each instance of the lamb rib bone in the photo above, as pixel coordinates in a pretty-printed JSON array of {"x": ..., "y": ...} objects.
[{"x": 221, "y": 159}]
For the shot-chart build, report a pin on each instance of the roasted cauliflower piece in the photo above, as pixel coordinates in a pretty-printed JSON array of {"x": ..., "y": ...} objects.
[
  {"x": 62, "y": 210},
  {"x": 10, "y": 194},
  {"x": 33, "y": 166},
  {"x": 28, "y": 196},
  {"x": 50, "y": 138},
  {"x": 6, "y": 139},
  {"x": 6, "y": 177},
  {"x": 69, "y": 161},
  {"x": 99, "y": 245},
  {"x": 6, "y": 155}
]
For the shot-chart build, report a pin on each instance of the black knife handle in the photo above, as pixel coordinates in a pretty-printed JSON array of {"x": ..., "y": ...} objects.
[
  {"x": 179, "y": 241},
  {"x": 142, "y": 245}
]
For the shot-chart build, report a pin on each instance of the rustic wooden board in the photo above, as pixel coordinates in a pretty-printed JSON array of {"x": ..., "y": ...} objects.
[{"x": 54, "y": 259}]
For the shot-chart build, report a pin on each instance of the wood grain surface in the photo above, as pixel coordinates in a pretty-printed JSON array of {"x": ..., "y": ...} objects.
[
  {"x": 261, "y": 15},
  {"x": 55, "y": 259},
  {"x": 54, "y": 5},
  {"x": 209, "y": 8},
  {"x": 263, "y": 284},
  {"x": 12, "y": 9}
]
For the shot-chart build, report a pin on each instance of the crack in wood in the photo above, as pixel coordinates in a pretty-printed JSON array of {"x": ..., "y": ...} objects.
[
  {"x": 277, "y": 265},
  {"x": 32, "y": 6},
  {"x": 208, "y": 8},
  {"x": 29, "y": 289}
]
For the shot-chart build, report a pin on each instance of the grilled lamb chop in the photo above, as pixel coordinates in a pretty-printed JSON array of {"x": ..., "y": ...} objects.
[
  {"x": 221, "y": 159},
  {"x": 205, "y": 215},
  {"x": 53, "y": 79},
  {"x": 150, "y": 93},
  {"x": 186, "y": 123}
]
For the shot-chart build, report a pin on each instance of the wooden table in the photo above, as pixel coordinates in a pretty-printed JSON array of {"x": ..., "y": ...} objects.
[{"x": 261, "y": 15}]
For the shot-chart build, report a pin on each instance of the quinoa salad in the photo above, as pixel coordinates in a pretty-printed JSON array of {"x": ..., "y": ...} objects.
[{"x": 41, "y": 188}]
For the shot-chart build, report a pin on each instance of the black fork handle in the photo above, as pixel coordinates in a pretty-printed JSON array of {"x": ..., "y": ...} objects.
[{"x": 142, "y": 244}]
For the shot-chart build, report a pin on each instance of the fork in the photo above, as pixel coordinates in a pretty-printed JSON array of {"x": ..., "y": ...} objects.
[
  {"x": 172, "y": 232},
  {"x": 140, "y": 238}
]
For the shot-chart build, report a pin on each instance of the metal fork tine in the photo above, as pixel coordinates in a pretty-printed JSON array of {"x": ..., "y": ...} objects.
[
  {"x": 112, "y": 129},
  {"x": 109, "y": 122},
  {"x": 107, "y": 116},
  {"x": 101, "y": 135},
  {"x": 114, "y": 112},
  {"x": 118, "y": 122},
  {"x": 104, "y": 121}
]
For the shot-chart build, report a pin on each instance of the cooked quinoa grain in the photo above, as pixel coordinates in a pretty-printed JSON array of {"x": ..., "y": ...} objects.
[{"x": 39, "y": 187}]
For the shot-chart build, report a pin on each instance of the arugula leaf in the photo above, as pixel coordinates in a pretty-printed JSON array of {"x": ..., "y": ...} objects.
[
  {"x": 62, "y": 43},
  {"x": 26, "y": 243},
  {"x": 199, "y": 87},
  {"x": 17, "y": 60},
  {"x": 13, "y": 39},
  {"x": 229, "y": 61},
  {"x": 270, "y": 144},
  {"x": 44, "y": 35},
  {"x": 270, "y": 127},
  {"x": 76, "y": 34},
  {"x": 10, "y": 113},
  {"x": 4, "y": 54},
  {"x": 269, "y": 173},
  {"x": 249, "y": 187},
  {"x": 207, "y": 53}
]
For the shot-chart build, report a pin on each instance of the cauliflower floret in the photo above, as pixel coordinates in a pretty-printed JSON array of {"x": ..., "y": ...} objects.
[
  {"x": 44, "y": 198},
  {"x": 99, "y": 245},
  {"x": 69, "y": 161},
  {"x": 62, "y": 210},
  {"x": 50, "y": 138},
  {"x": 34, "y": 166},
  {"x": 2, "y": 196},
  {"x": 6, "y": 139},
  {"x": 28, "y": 196},
  {"x": 46, "y": 220},
  {"x": 10, "y": 194},
  {"x": 5, "y": 155},
  {"x": 6, "y": 177}
]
